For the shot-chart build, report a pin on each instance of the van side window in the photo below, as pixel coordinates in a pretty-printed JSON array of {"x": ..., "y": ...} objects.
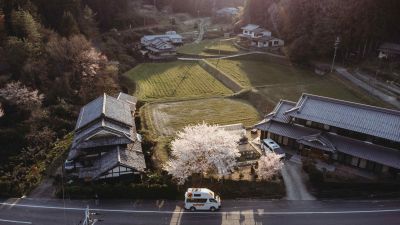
[
  {"x": 197, "y": 200},
  {"x": 197, "y": 195},
  {"x": 212, "y": 200}
]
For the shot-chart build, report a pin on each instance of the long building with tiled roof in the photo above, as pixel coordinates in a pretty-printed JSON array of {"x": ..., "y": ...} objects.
[
  {"x": 333, "y": 130},
  {"x": 106, "y": 144}
]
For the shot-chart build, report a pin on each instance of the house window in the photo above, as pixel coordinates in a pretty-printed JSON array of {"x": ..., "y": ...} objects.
[
  {"x": 354, "y": 161},
  {"x": 378, "y": 168},
  {"x": 363, "y": 163},
  {"x": 370, "y": 165},
  {"x": 285, "y": 140},
  {"x": 308, "y": 123},
  {"x": 326, "y": 127},
  {"x": 275, "y": 42},
  {"x": 347, "y": 159}
]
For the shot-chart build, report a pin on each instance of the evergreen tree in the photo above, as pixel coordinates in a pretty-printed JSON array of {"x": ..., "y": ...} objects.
[
  {"x": 68, "y": 25},
  {"x": 24, "y": 26}
]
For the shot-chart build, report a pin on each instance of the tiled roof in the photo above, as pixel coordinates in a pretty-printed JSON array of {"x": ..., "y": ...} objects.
[
  {"x": 105, "y": 106},
  {"x": 386, "y": 156},
  {"x": 368, "y": 151},
  {"x": 285, "y": 129},
  {"x": 375, "y": 121},
  {"x": 128, "y": 98},
  {"x": 278, "y": 114},
  {"x": 318, "y": 141},
  {"x": 131, "y": 156}
]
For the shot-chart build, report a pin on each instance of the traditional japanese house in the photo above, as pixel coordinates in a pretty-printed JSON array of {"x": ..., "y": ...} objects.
[
  {"x": 106, "y": 144},
  {"x": 337, "y": 131}
]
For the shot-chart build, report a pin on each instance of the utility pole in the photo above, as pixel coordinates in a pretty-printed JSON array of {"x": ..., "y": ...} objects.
[{"x": 336, "y": 46}]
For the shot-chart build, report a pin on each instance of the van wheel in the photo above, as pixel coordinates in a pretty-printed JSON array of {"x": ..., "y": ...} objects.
[
  {"x": 212, "y": 209},
  {"x": 192, "y": 209}
]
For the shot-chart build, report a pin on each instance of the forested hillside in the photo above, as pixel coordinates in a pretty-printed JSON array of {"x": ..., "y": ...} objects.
[
  {"x": 49, "y": 66},
  {"x": 310, "y": 27}
]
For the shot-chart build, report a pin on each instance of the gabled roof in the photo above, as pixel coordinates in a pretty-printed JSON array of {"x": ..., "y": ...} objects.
[
  {"x": 128, "y": 98},
  {"x": 334, "y": 142},
  {"x": 174, "y": 37},
  {"x": 259, "y": 30},
  {"x": 131, "y": 156},
  {"x": 287, "y": 130},
  {"x": 371, "y": 120},
  {"x": 107, "y": 107},
  {"x": 278, "y": 114},
  {"x": 250, "y": 27},
  {"x": 160, "y": 45},
  {"x": 318, "y": 141}
]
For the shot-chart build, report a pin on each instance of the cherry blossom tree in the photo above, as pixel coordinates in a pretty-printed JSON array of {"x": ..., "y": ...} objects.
[
  {"x": 202, "y": 149},
  {"x": 18, "y": 94},
  {"x": 269, "y": 165}
]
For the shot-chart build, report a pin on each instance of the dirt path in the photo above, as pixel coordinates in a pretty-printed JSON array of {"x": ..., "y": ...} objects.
[
  {"x": 204, "y": 22},
  {"x": 294, "y": 182},
  {"x": 372, "y": 90},
  {"x": 160, "y": 119}
]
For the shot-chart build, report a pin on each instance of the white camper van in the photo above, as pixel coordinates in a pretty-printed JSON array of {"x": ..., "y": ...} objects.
[
  {"x": 201, "y": 199},
  {"x": 270, "y": 145}
]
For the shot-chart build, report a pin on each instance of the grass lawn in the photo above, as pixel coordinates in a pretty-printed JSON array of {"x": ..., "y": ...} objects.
[
  {"x": 167, "y": 118},
  {"x": 258, "y": 73},
  {"x": 209, "y": 47},
  {"x": 173, "y": 80}
]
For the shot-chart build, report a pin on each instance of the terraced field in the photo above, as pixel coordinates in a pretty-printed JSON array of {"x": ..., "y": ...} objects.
[
  {"x": 167, "y": 118},
  {"x": 209, "y": 47},
  {"x": 173, "y": 80},
  {"x": 259, "y": 73}
]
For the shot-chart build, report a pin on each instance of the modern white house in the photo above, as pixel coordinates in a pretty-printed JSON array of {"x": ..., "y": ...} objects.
[
  {"x": 267, "y": 41},
  {"x": 253, "y": 30},
  {"x": 256, "y": 36}
]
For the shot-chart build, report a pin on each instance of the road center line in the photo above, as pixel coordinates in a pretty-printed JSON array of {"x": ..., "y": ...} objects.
[
  {"x": 206, "y": 212},
  {"x": 15, "y": 221}
]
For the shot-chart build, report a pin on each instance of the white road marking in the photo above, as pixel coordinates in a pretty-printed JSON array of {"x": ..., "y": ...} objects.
[
  {"x": 206, "y": 212},
  {"x": 15, "y": 221}
]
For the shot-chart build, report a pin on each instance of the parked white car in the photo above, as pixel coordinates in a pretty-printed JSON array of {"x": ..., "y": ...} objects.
[
  {"x": 270, "y": 145},
  {"x": 201, "y": 199}
]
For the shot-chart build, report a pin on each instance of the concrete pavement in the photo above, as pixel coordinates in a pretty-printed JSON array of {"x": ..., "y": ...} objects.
[
  {"x": 294, "y": 178},
  {"x": 46, "y": 212}
]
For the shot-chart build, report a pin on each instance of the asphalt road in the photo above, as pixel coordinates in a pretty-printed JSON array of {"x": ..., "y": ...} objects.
[{"x": 55, "y": 212}]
